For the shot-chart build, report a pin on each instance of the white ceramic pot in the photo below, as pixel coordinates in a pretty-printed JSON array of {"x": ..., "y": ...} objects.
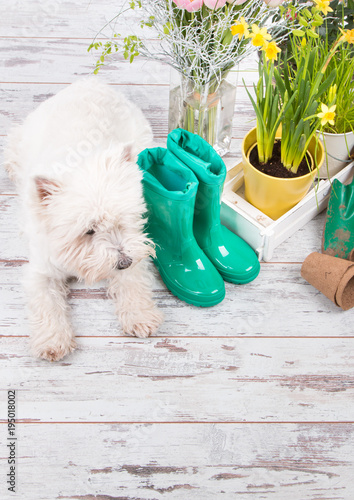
[{"x": 337, "y": 146}]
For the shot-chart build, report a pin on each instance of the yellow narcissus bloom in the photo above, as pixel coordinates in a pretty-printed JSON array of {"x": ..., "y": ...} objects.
[
  {"x": 240, "y": 29},
  {"x": 327, "y": 115},
  {"x": 332, "y": 92},
  {"x": 271, "y": 50},
  {"x": 259, "y": 36},
  {"x": 348, "y": 36},
  {"x": 323, "y": 6}
]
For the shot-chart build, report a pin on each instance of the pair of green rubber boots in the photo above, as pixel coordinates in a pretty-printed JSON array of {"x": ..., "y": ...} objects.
[{"x": 194, "y": 251}]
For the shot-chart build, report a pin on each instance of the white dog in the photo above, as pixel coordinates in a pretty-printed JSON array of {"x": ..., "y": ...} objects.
[{"x": 74, "y": 163}]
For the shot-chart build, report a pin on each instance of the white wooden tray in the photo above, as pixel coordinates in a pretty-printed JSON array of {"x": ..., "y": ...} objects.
[{"x": 261, "y": 232}]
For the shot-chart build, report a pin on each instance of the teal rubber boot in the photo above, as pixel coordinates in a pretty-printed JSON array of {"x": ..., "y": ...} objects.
[
  {"x": 170, "y": 190},
  {"x": 231, "y": 255}
]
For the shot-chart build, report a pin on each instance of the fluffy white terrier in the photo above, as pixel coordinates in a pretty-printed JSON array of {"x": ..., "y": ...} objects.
[{"x": 74, "y": 163}]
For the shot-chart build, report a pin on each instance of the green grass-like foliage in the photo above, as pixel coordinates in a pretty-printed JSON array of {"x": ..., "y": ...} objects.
[{"x": 305, "y": 87}]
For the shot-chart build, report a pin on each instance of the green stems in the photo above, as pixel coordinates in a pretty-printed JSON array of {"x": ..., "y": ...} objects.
[
  {"x": 269, "y": 110},
  {"x": 304, "y": 87},
  {"x": 292, "y": 103}
]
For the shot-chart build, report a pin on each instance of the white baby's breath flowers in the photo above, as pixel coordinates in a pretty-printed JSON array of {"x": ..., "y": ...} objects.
[{"x": 199, "y": 45}]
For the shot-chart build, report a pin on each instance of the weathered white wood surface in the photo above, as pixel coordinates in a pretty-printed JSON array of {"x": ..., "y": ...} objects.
[
  {"x": 59, "y": 18},
  {"x": 44, "y": 60},
  {"x": 185, "y": 461},
  {"x": 250, "y": 399},
  {"x": 198, "y": 379}
]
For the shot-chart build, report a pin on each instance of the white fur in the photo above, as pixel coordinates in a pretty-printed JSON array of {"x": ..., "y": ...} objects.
[{"x": 74, "y": 164}]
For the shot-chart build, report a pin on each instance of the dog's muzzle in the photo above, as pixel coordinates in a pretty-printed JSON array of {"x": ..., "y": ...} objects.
[{"x": 124, "y": 261}]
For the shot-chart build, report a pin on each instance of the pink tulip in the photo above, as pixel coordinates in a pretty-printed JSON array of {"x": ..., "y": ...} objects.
[
  {"x": 237, "y": 2},
  {"x": 273, "y": 3},
  {"x": 214, "y": 4},
  {"x": 189, "y": 5}
]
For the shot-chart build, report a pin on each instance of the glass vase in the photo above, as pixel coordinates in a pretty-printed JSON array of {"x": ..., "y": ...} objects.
[{"x": 206, "y": 110}]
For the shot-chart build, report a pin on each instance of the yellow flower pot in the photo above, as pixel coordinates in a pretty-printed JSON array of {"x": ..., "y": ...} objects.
[{"x": 274, "y": 196}]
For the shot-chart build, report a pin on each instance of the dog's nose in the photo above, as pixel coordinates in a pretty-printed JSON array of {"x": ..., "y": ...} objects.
[{"x": 124, "y": 261}]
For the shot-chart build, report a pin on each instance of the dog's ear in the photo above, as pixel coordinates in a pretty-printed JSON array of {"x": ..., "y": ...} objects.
[
  {"x": 127, "y": 153},
  {"x": 45, "y": 188}
]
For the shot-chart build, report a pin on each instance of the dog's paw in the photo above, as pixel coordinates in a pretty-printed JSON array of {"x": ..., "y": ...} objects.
[
  {"x": 55, "y": 351},
  {"x": 144, "y": 324}
]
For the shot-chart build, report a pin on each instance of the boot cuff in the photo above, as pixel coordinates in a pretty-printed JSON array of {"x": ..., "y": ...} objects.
[
  {"x": 198, "y": 155},
  {"x": 166, "y": 175}
]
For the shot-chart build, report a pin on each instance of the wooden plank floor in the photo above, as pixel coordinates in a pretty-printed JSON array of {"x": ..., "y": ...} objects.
[{"x": 251, "y": 399}]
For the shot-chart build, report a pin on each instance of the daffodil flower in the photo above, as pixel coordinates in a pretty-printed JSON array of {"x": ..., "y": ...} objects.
[
  {"x": 271, "y": 50},
  {"x": 240, "y": 29},
  {"x": 348, "y": 36},
  {"x": 327, "y": 115},
  {"x": 259, "y": 36},
  {"x": 323, "y": 6}
]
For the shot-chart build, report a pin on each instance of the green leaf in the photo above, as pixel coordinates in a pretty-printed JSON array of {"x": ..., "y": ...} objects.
[
  {"x": 312, "y": 34},
  {"x": 307, "y": 13},
  {"x": 167, "y": 28},
  {"x": 227, "y": 37},
  {"x": 298, "y": 33},
  {"x": 326, "y": 84},
  {"x": 303, "y": 21},
  {"x": 255, "y": 107}
]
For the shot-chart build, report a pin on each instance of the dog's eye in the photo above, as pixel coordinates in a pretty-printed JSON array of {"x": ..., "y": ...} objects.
[{"x": 90, "y": 231}]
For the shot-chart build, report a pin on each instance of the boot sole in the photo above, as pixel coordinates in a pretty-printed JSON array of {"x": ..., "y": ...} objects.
[
  {"x": 204, "y": 302},
  {"x": 239, "y": 281}
]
